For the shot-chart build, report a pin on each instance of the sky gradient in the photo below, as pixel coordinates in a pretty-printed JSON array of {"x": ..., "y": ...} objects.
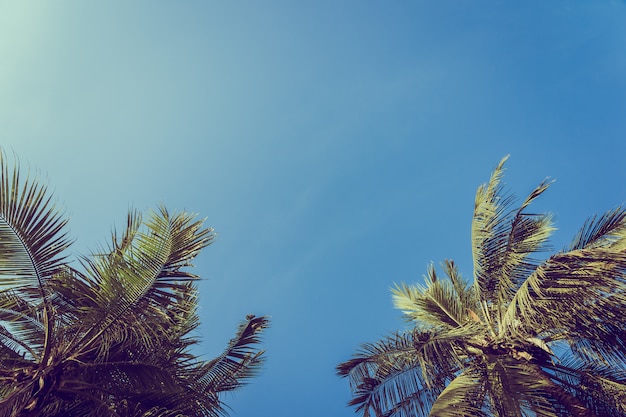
[{"x": 335, "y": 146}]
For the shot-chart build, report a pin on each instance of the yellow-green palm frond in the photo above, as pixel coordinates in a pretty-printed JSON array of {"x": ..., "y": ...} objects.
[
  {"x": 518, "y": 389},
  {"x": 606, "y": 230},
  {"x": 504, "y": 240},
  {"x": 490, "y": 209},
  {"x": 462, "y": 397},
  {"x": 462, "y": 287},
  {"x": 440, "y": 303},
  {"x": 527, "y": 234},
  {"x": 578, "y": 294}
]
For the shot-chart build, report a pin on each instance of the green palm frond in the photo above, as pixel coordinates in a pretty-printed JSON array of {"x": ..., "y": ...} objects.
[
  {"x": 240, "y": 361},
  {"x": 113, "y": 338},
  {"x": 608, "y": 229},
  {"x": 32, "y": 239},
  {"x": 31, "y": 232},
  {"x": 23, "y": 329},
  {"x": 462, "y": 397},
  {"x": 571, "y": 292},
  {"x": 143, "y": 270},
  {"x": 405, "y": 372},
  {"x": 437, "y": 304}
]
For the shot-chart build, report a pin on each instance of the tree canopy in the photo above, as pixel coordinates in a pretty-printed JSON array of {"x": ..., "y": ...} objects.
[
  {"x": 110, "y": 334},
  {"x": 527, "y": 337}
]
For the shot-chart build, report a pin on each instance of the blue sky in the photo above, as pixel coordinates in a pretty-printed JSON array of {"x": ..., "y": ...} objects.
[{"x": 334, "y": 145}]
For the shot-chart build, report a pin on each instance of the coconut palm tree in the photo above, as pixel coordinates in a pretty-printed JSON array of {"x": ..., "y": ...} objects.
[
  {"x": 112, "y": 335},
  {"x": 527, "y": 337}
]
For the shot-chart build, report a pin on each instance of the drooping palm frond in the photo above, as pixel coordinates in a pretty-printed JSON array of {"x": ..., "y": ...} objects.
[
  {"x": 403, "y": 374},
  {"x": 386, "y": 377},
  {"x": 601, "y": 388},
  {"x": 240, "y": 361},
  {"x": 520, "y": 388}
]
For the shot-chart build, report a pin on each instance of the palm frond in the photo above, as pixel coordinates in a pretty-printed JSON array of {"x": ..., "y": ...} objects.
[
  {"x": 32, "y": 239},
  {"x": 240, "y": 361},
  {"x": 31, "y": 232},
  {"x": 601, "y": 388},
  {"x": 145, "y": 272},
  {"x": 462, "y": 287},
  {"x": 601, "y": 231},
  {"x": 527, "y": 234},
  {"x": 488, "y": 231},
  {"x": 504, "y": 240},
  {"x": 404, "y": 373},
  {"x": 571, "y": 292},
  {"x": 462, "y": 397},
  {"x": 520, "y": 388},
  {"x": 438, "y": 303}
]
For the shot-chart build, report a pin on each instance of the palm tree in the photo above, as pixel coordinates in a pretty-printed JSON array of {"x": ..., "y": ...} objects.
[
  {"x": 527, "y": 337},
  {"x": 112, "y": 336}
]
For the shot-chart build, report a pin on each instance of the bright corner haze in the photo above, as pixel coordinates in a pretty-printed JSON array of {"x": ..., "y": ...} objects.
[{"x": 334, "y": 146}]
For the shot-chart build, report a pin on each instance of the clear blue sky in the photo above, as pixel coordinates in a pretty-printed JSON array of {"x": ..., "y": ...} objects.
[{"x": 334, "y": 145}]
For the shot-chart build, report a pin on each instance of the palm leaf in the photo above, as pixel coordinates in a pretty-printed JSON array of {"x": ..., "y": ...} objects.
[
  {"x": 503, "y": 241},
  {"x": 240, "y": 361},
  {"x": 601, "y": 388},
  {"x": 601, "y": 231},
  {"x": 145, "y": 272},
  {"x": 527, "y": 234},
  {"x": 32, "y": 240},
  {"x": 403, "y": 374},
  {"x": 516, "y": 388},
  {"x": 490, "y": 209},
  {"x": 462, "y": 397},
  {"x": 437, "y": 304},
  {"x": 31, "y": 232},
  {"x": 553, "y": 297}
]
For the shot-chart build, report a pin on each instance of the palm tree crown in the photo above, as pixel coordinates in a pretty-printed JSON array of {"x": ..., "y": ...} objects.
[
  {"x": 113, "y": 337},
  {"x": 527, "y": 337}
]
